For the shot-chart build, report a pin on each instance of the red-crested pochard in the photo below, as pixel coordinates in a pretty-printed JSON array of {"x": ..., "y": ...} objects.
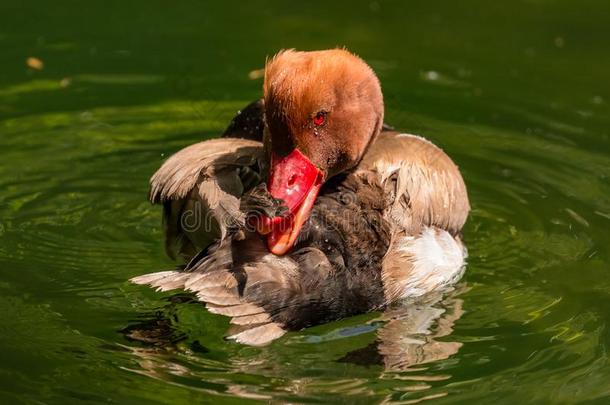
[{"x": 359, "y": 216}]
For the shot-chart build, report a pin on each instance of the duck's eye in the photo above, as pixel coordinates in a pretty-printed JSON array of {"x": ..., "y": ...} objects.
[{"x": 320, "y": 118}]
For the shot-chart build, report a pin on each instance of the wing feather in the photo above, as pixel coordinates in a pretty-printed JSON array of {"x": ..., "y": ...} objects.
[
  {"x": 423, "y": 185},
  {"x": 200, "y": 186}
]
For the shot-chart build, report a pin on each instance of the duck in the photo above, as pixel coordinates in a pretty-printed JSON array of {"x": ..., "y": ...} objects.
[{"x": 310, "y": 209}]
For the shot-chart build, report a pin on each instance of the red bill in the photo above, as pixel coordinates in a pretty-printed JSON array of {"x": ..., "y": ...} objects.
[{"x": 294, "y": 179}]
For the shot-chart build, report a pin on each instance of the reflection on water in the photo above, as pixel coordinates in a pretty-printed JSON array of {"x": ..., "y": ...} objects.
[
  {"x": 406, "y": 338},
  {"x": 411, "y": 335}
]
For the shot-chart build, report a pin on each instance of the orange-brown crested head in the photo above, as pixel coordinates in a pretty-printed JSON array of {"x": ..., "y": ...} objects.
[
  {"x": 328, "y": 104},
  {"x": 322, "y": 111}
]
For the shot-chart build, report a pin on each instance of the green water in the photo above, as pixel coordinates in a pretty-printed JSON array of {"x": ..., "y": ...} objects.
[{"x": 518, "y": 93}]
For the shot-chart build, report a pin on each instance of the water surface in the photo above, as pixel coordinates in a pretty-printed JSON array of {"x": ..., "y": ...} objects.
[{"x": 516, "y": 93}]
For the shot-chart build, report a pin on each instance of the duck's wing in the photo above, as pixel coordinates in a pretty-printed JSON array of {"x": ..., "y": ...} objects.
[
  {"x": 262, "y": 293},
  {"x": 427, "y": 203},
  {"x": 200, "y": 187},
  {"x": 423, "y": 186}
]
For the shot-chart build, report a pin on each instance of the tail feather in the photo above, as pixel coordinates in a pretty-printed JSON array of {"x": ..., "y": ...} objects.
[
  {"x": 218, "y": 296},
  {"x": 258, "y": 335},
  {"x": 214, "y": 279},
  {"x": 251, "y": 319},
  {"x": 235, "y": 310},
  {"x": 259, "y": 291},
  {"x": 252, "y": 325},
  {"x": 162, "y": 280}
]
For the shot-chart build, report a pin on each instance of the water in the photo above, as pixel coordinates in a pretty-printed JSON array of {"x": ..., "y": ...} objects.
[{"x": 516, "y": 93}]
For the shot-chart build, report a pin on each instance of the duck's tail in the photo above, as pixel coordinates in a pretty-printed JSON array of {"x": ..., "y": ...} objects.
[{"x": 244, "y": 293}]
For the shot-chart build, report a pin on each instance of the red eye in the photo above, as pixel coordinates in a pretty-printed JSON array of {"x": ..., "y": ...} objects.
[{"x": 320, "y": 118}]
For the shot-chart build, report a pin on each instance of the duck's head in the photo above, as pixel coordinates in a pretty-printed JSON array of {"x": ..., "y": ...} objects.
[{"x": 322, "y": 111}]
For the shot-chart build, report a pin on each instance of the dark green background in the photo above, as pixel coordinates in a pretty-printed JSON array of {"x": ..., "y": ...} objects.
[{"x": 516, "y": 92}]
